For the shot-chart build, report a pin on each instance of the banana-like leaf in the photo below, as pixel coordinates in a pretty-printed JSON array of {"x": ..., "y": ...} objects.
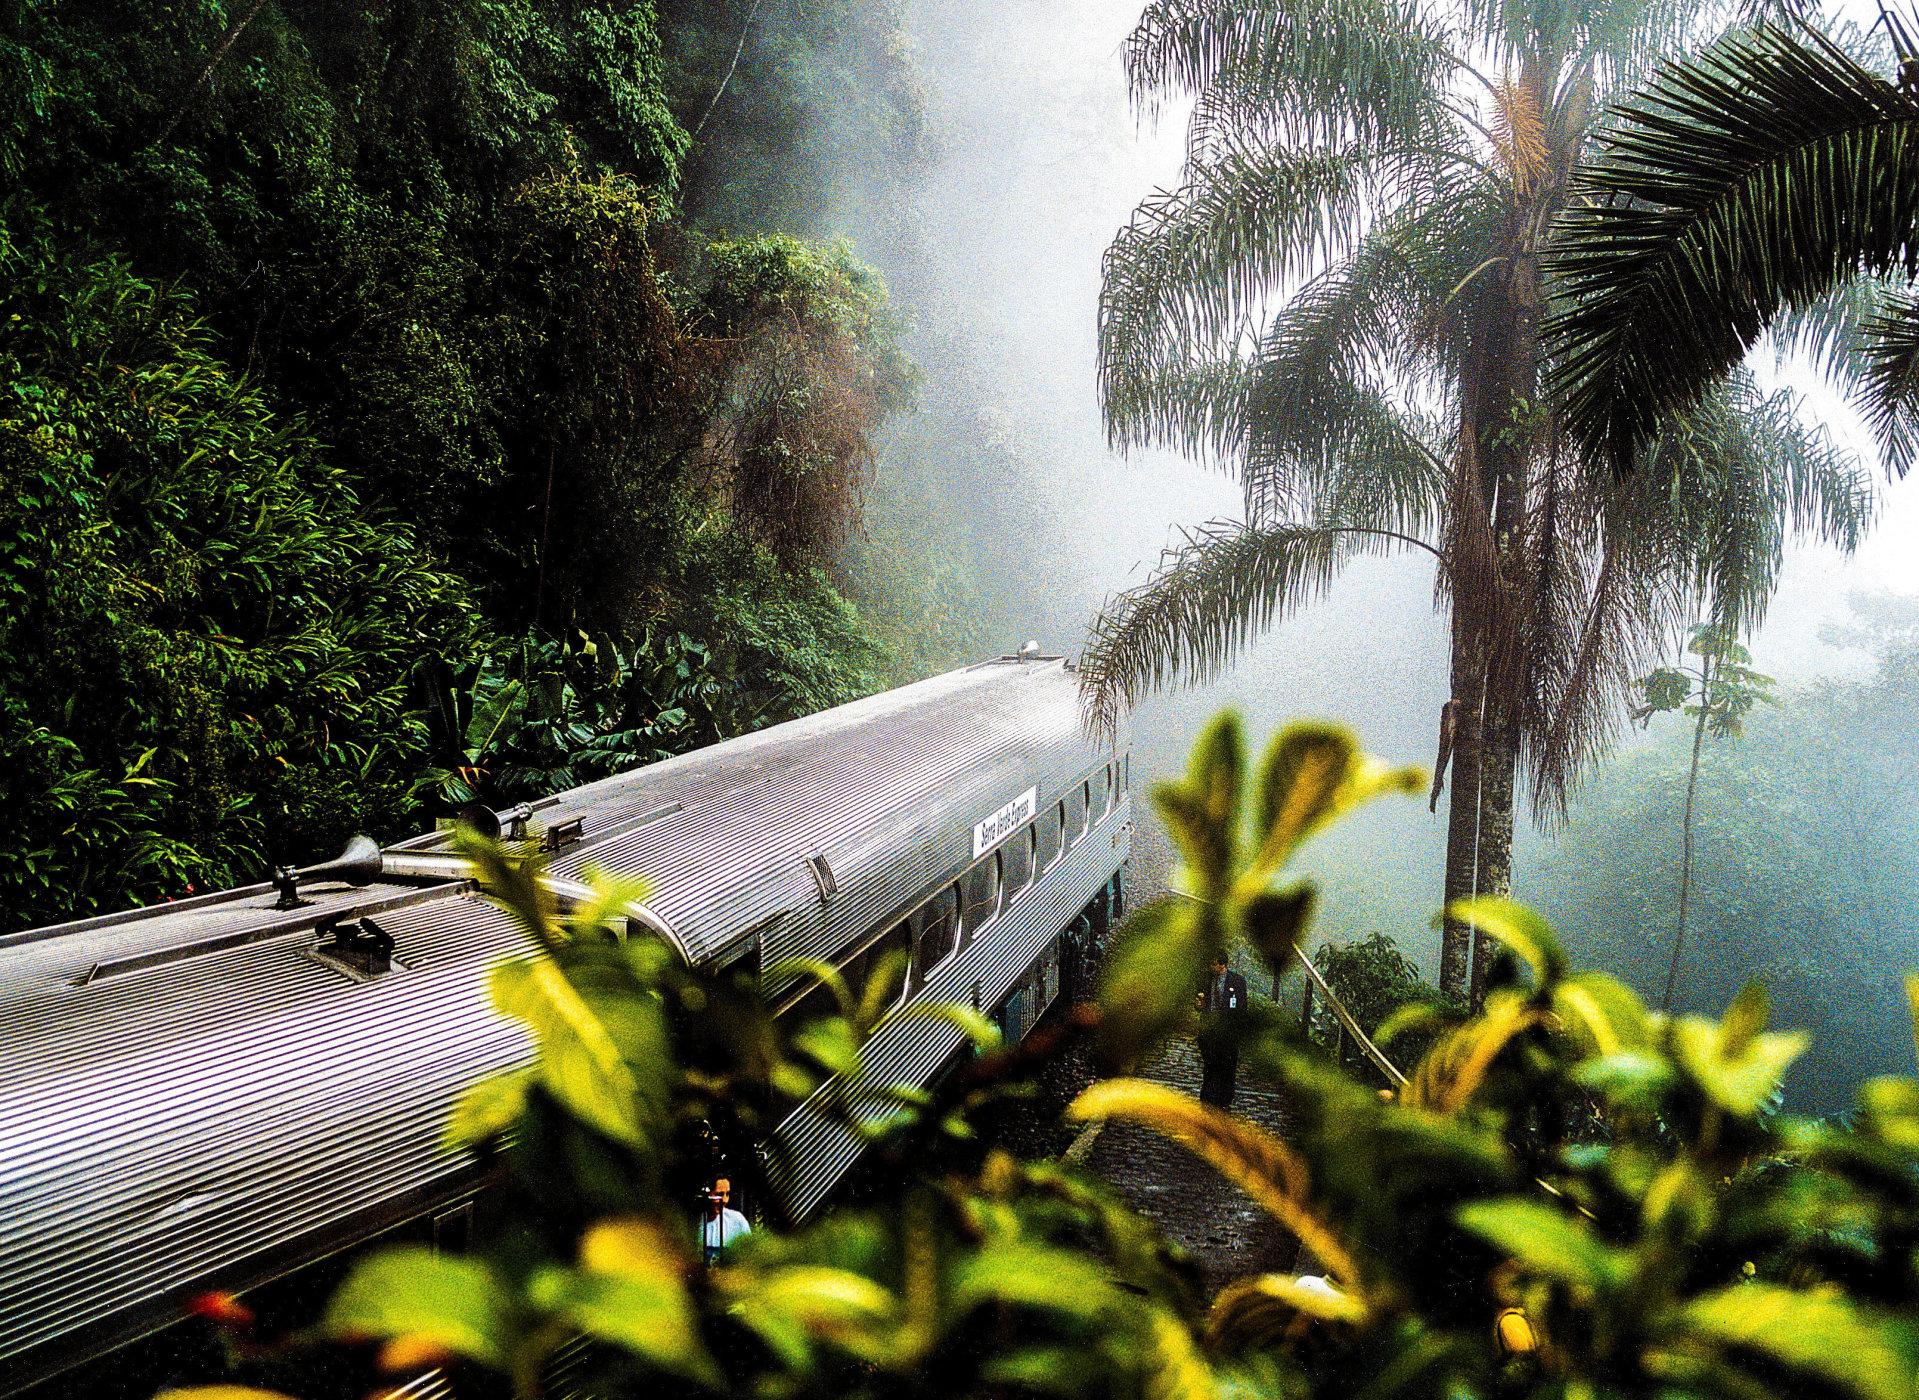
[{"x": 1262, "y": 1166}]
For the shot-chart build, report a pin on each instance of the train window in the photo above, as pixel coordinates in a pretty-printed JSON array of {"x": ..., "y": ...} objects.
[
  {"x": 1051, "y": 832},
  {"x": 1075, "y": 820},
  {"x": 1086, "y": 804},
  {"x": 1112, "y": 784},
  {"x": 981, "y": 890},
  {"x": 1126, "y": 772},
  {"x": 886, "y": 956},
  {"x": 1019, "y": 861},
  {"x": 938, "y": 932}
]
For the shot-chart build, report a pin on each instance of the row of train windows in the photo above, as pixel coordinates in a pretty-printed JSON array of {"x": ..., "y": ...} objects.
[{"x": 913, "y": 949}]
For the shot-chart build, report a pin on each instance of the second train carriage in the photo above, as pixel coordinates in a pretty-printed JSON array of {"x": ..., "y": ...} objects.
[{"x": 220, "y": 1091}]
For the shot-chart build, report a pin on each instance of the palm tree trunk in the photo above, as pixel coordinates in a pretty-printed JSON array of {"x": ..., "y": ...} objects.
[
  {"x": 1685, "y": 840},
  {"x": 1462, "y": 806},
  {"x": 1499, "y": 742}
]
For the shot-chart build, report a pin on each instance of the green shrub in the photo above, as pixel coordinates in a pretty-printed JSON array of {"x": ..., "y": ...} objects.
[{"x": 1606, "y": 1187}]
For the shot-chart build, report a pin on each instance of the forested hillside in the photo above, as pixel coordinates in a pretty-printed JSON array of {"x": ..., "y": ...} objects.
[{"x": 424, "y": 401}]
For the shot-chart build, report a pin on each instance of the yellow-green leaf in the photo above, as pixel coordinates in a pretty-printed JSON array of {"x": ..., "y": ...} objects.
[
  {"x": 1733, "y": 1061},
  {"x": 1528, "y": 935},
  {"x": 580, "y": 1063},
  {"x": 1820, "y": 1334},
  {"x": 1254, "y": 1160},
  {"x": 1255, "y": 1311},
  {"x": 454, "y": 1303},
  {"x": 1546, "y": 1241}
]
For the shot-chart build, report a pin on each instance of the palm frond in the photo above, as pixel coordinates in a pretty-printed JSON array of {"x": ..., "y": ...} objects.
[
  {"x": 1752, "y": 178},
  {"x": 1212, "y": 594},
  {"x": 1367, "y": 70},
  {"x": 1889, "y": 384},
  {"x": 1702, "y": 524},
  {"x": 1193, "y": 265}
]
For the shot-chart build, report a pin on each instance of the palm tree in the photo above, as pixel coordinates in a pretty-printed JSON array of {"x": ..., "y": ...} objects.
[
  {"x": 1770, "y": 182},
  {"x": 1342, "y": 302}
]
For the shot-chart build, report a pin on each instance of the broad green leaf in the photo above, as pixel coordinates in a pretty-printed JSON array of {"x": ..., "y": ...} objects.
[
  {"x": 1820, "y": 1334},
  {"x": 1452, "y": 1071},
  {"x": 1528, "y": 935},
  {"x": 1176, "y": 1369},
  {"x": 788, "y": 973},
  {"x": 1546, "y": 1241},
  {"x": 982, "y": 1030},
  {"x": 1631, "y": 1078},
  {"x": 882, "y": 989},
  {"x": 1312, "y": 775},
  {"x": 1024, "y": 1274},
  {"x": 1152, "y": 975},
  {"x": 1735, "y": 1063},
  {"x": 832, "y": 1043},
  {"x": 452, "y": 1303},
  {"x": 1602, "y": 1013},
  {"x": 1912, "y": 1003},
  {"x": 512, "y": 883},
  {"x": 1275, "y": 920},
  {"x": 1262, "y": 1166},
  {"x": 1299, "y": 780},
  {"x": 606, "y": 910},
  {"x": 630, "y": 1290},
  {"x": 812, "y": 1304},
  {"x": 580, "y": 1063},
  {"x": 488, "y": 1108}
]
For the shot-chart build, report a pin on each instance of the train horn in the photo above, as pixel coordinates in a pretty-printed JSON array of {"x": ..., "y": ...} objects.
[{"x": 358, "y": 865}]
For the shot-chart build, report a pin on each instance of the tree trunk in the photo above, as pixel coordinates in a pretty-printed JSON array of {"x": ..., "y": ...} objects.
[
  {"x": 1499, "y": 743},
  {"x": 1462, "y": 806},
  {"x": 1685, "y": 839}
]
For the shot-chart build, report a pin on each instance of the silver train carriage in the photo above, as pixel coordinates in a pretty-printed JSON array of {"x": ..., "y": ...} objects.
[{"x": 219, "y": 1091}]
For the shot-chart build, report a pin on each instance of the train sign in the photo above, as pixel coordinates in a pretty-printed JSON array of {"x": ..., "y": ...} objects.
[{"x": 1008, "y": 819}]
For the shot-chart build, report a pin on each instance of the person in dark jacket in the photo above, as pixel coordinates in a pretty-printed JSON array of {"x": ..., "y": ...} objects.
[{"x": 1222, "y": 1000}]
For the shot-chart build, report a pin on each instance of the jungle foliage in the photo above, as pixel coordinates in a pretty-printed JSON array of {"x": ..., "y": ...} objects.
[
  {"x": 1571, "y": 1196},
  {"x": 338, "y": 340},
  {"x": 1804, "y": 836}
]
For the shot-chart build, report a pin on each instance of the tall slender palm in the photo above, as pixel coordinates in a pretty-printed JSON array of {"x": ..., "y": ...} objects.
[
  {"x": 1342, "y": 302},
  {"x": 1770, "y": 182}
]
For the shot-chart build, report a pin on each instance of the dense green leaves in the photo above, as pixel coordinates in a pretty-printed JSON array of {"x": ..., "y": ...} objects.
[{"x": 1612, "y": 1184}]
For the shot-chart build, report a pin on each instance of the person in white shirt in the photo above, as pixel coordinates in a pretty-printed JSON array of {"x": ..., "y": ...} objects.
[{"x": 721, "y": 1224}]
